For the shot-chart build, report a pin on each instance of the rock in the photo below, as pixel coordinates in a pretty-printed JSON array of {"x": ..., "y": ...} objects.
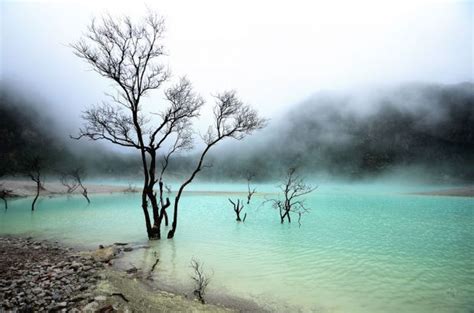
[
  {"x": 91, "y": 307},
  {"x": 104, "y": 254},
  {"x": 120, "y": 243},
  {"x": 100, "y": 298},
  {"x": 128, "y": 249},
  {"x": 107, "y": 309}
]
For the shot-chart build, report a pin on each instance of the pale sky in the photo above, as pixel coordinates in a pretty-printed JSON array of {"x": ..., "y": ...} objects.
[{"x": 274, "y": 53}]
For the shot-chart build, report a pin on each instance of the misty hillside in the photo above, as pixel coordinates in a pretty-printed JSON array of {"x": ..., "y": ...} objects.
[
  {"x": 26, "y": 131},
  {"x": 426, "y": 126}
]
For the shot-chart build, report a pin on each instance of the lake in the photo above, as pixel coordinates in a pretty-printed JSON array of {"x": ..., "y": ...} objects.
[{"x": 362, "y": 248}]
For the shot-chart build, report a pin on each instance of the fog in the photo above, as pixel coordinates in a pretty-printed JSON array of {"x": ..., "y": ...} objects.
[
  {"x": 322, "y": 73},
  {"x": 421, "y": 131}
]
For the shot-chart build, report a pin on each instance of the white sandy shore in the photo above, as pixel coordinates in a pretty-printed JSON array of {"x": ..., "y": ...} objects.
[
  {"x": 25, "y": 188},
  {"x": 455, "y": 192}
]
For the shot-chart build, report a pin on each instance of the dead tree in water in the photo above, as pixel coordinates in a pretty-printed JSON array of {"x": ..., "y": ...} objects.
[
  {"x": 238, "y": 207},
  {"x": 232, "y": 119},
  {"x": 34, "y": 168},
  {"x": 250, "y": 192},
  {"x": 5, "y": 194},
  {"x": 72, "y": 180},
  {"x": 293, "y": 188},
  {"x": 69, "y": 182},
  {"x": 129, "y": 54},
  {"x": 76, "y": 174},
  {"x": 201, "y": 280}
]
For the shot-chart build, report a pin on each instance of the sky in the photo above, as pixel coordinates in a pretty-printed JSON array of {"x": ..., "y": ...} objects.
[{"x": 274, "y": 53}]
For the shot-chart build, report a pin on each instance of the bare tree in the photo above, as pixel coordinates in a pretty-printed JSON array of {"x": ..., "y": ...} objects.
[
  {"x": 238, "y": 207},
  {"x": 34, "y": 168},
  {"x": 293, "y": 188},
  {"x": 77, "y": 173},
  {"x": 250, "y": 192},
  {"x": 129, "y": 55},
  {"x": 201, "y": 280},
  {"x": 130, "y": 189},
  {"x": 5, "y": 194},
  {"x": 72, "y": 180},
  {"x": 232, "y": 119},
  {"x": 69, "y": 182}
]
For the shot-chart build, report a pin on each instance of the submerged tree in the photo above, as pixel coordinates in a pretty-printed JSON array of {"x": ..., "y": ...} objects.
[
  {"x": 72, "y": 180},
  {"x": 293, "y": 188},
  {"x": 129, "y": 54},
  {"x": 250, "y": 192},
  {"x": 69, "y": 182},
  {"x": 238, "y": 207},
  {"x": 5, "y": 194},
  {"x": 34, "y": 168},
  {"x": 200, "y": 278}
]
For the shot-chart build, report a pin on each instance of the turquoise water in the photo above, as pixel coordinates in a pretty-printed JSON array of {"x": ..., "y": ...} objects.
[{"x": 362, "y": 248}]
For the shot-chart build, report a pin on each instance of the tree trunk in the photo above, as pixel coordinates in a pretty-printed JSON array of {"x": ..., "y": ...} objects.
[
  {"x": 152, "y": 233},
  {"x": 238, "y": 216},
  {"x": 84, "y": 193},
  {"x": 175, "y": 219},
  {"x": 163, "y": 209},
  {"x": 282, "y": 216},
  {"x": 38, "y": 185}
]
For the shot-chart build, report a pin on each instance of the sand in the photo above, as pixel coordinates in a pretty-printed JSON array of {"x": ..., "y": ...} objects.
[{"x": 454, "y": 192}]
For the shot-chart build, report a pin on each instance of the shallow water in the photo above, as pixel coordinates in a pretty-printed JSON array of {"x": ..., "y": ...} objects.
[{"x": 362, "y": 248}]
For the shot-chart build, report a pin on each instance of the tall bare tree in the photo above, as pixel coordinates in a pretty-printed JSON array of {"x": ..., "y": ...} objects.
[
  {"x": 293, "y": 189},
  {"x": 129, "y": 54}
]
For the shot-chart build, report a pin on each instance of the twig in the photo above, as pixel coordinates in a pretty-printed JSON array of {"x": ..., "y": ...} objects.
[
  {"x": 154, "y": 265},
  {"x": 119, "y": 294}
]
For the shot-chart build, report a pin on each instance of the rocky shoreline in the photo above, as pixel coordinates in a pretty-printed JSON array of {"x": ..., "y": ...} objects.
[
  {"x": 39, "y": 276},
  {"x": 43, "y": 276}
]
